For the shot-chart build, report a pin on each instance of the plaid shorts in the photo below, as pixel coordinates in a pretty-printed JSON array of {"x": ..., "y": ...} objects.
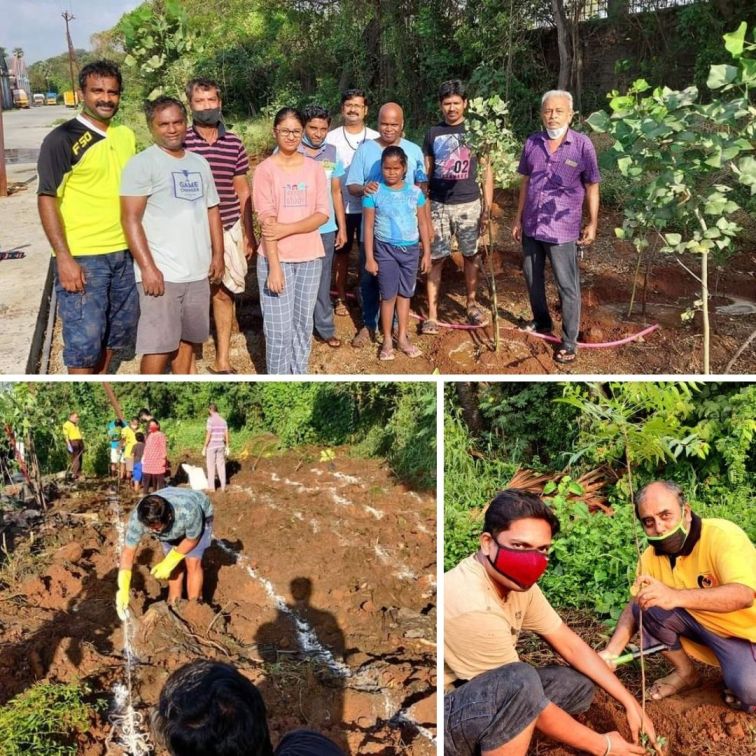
[{"x": 461, "y": 221}]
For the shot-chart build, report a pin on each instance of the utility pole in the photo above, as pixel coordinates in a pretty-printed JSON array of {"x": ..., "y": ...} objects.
[
  {"x": 3, "y": 174},
  {"x": 70, "y": 17}
]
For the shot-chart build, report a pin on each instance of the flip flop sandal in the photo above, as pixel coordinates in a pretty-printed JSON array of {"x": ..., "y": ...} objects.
[
  {"x": 476, "y": 317},
  {"x": 674, "y": 686},
  {"x": 230, "y": 371},
  {"x": 731, "y": 700},
  {"x": 386, "y": 355},
  {"x": 565, "y": 356},
  {"x": 411, "y": 351},
  {"x": 340, "y": 308},
  {"x": 429, "y": 328}
]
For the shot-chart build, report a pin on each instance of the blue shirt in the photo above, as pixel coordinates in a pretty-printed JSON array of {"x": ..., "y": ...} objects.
[
  {"x": 366, "y": 166},
  {"x": 396, "y": 213},
  {"x": 191, "y": 510},
  {"x": 333, "y": 168},
  {"x": 114, "y": 434}
]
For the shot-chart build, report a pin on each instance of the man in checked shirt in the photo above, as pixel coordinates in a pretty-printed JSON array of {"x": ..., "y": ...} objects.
[{"x": 559, "y": 171}]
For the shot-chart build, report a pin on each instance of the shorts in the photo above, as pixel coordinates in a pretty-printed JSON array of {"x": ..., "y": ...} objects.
[
  {"x": 204, "y": 542},
  {"x": 461, "y": 221},
  {"x": 129, "y": 463},
  {"x": 137, "y": 474},
  {"x": 397, "y": 269},
  {"x": 115, "y": 455},
  {"x": 182, "y": 313},
  {"x": 104, "y": 315}
]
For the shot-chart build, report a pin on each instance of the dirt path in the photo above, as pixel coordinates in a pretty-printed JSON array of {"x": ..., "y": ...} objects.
[{"x": 320, "y": 587}]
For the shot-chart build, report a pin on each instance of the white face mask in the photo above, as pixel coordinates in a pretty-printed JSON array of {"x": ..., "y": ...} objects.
[{"x": 557, "y": 133}]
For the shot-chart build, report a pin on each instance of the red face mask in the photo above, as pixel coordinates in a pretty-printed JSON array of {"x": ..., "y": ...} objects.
[{"x": 522, "y": 566}]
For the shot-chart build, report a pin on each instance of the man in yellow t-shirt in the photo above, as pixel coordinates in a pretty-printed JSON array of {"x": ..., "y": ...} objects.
[
  {"x": 696, "y": 584},
  {"x": 128, "y": 442},
  {"x": 494, "y": 701},
  {"x": 74, "y": 443}
]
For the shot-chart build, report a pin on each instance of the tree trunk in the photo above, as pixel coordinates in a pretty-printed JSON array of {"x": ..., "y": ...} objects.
[
  {"x": 467, "y": 393},
  {"x": 563, "y": 42}
]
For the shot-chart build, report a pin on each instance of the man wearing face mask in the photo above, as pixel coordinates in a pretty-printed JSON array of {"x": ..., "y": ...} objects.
[
  {"x": 494, "y": 702},
  {"x": 559, "y": 170},
  {"x": 224, "y": 151},
  {"x": 695, "y": 584}
]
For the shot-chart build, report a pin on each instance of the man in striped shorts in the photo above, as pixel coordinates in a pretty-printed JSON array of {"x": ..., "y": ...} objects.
[
  {"x": 216, "y": 448},
  {"x": 229, "y": 164}
]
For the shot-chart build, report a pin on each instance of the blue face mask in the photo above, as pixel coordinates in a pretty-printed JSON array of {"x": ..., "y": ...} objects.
[{"x": 307, "y": 143}]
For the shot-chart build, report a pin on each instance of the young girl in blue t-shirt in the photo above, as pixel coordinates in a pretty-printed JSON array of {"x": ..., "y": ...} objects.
[{"x": 393, "y": 232}]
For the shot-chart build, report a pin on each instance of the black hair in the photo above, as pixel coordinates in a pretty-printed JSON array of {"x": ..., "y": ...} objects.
[
  {"x": 100, "y": 68},
  {"x": 152, "y": 107},
  {"x": 120, "y": 423},
  {"x": 208, "y": 708},
  {"x": 213, "y": 407},
  {"x": 139, "y": 436},
  {"x": 670, "y": 485},
  {"x": 517, "y": 504},
  {"x": 134, "y": 419},
  {"x": 156, "y": 421},
  {"x": 348, "y": 94},
  {"x": 203, "y": 83},
  {"x": 395, "y": 151},
  {"x": 144, "y": 413},
  {"x": 153, "y": 509},
  {"x": 315, "y": 111},
  {"x": 450, "y": 89},
  {"x": 288, "y": 113}
]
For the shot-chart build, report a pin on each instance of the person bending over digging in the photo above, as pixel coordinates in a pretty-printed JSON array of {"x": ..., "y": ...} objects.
[
  {"x": 182, "y": 520},
  {"x": 209, "y": 708},
  {"x": 494, "y": 701},
  {"x": 695, "y": 584}
]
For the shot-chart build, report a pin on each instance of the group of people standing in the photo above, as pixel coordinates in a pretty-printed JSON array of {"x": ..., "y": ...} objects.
[{"x": 145, "y": 243}]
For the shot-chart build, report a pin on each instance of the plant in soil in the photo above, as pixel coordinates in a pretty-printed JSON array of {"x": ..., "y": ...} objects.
[{"x": 681, "y": 158}]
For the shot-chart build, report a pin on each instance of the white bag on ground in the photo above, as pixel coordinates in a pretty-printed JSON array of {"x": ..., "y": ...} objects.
[{"x": 197, "y": 477}]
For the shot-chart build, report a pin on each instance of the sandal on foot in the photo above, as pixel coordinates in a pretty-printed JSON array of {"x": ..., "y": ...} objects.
[
  {"x": 386, "y": 355},
  {"x": 734, "y": 703},
  {"x": 429, "y": 328},
  {"x": 532, "y": 327},
  {"x": 340, "y": 308},
  {"x": 671, "y": 685},
  {"x": 410, "y": 350},
  {"x": 476, "y": 317},
  {"x": 565, "y": 355}
]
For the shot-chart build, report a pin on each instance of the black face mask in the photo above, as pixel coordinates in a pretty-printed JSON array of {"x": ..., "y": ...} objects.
[
  {"x": 210, "y": 117},
  {"x": 670, "y": 543}
]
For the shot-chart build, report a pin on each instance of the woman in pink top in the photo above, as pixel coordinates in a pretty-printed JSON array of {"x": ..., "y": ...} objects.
[
  {"x": 290, "y": 196},
  {"x": 154, "y": 458}
]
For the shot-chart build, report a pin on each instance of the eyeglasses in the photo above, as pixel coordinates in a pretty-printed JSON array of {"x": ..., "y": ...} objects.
[{"x": 290, "y": 133}]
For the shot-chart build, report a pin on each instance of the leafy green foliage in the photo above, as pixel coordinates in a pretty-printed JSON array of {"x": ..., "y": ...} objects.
[
  {"x": 44, "y": 720},
  {"x": 489, "y": 136}
]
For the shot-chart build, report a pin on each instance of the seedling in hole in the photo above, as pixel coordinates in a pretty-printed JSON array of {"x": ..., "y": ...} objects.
[{"x": 661, "y": 743}]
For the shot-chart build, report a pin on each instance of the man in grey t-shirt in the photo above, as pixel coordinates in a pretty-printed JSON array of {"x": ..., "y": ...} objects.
[{"x": 170, "y": 213}]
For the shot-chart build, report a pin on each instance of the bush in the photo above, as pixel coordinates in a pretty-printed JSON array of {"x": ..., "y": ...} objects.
[{"x": 45, "y": 719}]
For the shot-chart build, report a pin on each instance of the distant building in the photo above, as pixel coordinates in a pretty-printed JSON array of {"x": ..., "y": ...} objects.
[
  {"x": 18, "y": 78},
  {"x": 5, "y": 86}
]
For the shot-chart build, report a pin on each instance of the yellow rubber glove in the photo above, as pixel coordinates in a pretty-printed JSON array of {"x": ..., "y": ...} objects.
[
  {"x": 122, "y": 596},
  {"x": 163, "y": 570}
]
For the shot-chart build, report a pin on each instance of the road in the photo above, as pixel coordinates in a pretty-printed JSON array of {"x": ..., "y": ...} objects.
[{"x": 22, "y": 294}]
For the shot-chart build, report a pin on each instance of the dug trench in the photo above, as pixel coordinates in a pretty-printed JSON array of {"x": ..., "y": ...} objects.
[{"x": 319, "y": 586}]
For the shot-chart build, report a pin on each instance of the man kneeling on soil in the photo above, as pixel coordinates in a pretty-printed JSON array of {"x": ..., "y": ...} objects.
[
  {"x": 494, "y": 701},
  {"x": 209, "y": 708},
  {"x": 695, "y": 588},
  {"x": 182, "y": 521}
]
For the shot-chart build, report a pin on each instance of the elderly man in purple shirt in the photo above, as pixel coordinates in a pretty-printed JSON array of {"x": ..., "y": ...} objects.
[{"x": 559, "y": 171}]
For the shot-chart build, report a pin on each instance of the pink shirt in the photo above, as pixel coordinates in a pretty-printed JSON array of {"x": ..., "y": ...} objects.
[{"x": 291, "y": 196}]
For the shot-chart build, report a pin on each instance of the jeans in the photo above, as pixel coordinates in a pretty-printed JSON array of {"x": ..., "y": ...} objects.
[
  {"x": 495, "y": 707},
  {"x": 370, "y": 294},
  {"x": 323, "y": 315},
  {"x": 564, "y": 264},
  {"x": 736, "y": 656}
]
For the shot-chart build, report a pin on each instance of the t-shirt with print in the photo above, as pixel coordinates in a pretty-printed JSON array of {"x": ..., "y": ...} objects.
[
  {"x": 191, "y": 509},
  {"x": 481, "y": 628},
  {"x": 366, "y": 166},
  {"x": 723, "y": 555},
  {"x": 396, "y": 213},
  {"x": 175, "y": 221},
  {"x": 216, "y": 426},
  {"x": 455, "y": 167},
  {"x": 290, "y": 196},
  {"x": 346, "y": 147},
  {"x": 333, "y": 167},
  {"x": 81, "y": 166}
]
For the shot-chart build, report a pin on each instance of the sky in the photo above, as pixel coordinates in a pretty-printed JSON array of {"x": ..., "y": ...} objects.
[{"x": 36, "y": 26}]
